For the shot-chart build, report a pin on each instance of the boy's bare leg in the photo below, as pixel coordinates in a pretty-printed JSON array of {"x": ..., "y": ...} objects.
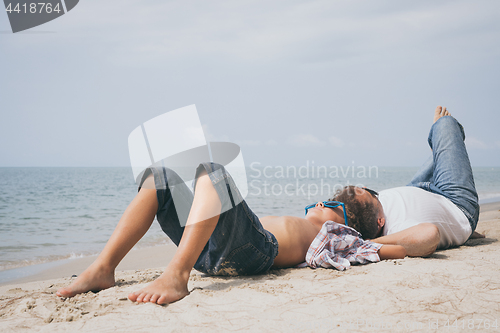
[
  {"x": 203, "y": 217},
  {"x": 132, "y": 226}
]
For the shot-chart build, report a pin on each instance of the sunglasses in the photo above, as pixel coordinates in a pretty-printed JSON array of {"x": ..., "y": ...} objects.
[
  {"x": 372, "y": 192},
  {"x": 330, "y": 204}
]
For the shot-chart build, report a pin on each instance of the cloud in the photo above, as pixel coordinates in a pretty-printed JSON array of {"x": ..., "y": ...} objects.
[
  {"x": 253, "y": 143},
  {"x": 271, "y": 143},
  {"x": 352, "y": 64},
  {"x": 212, "y": 137},
  {"x": 474, "y": 143},
  {"x": 315, "y": 32},
  {"x": 305, "y": 140},
  {"x": 336, "y": 142}
]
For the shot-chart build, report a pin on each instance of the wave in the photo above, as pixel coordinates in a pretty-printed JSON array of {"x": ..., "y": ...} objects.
[{"x": 7, "y": 265}]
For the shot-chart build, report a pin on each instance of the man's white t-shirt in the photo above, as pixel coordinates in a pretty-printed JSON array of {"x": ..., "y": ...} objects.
[{"x": 407, "y": 206}]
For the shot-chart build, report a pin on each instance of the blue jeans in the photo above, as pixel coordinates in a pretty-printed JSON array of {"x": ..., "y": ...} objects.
[
  {"x": 448, "y": 172},
  {"x": 239, "y": 245}
]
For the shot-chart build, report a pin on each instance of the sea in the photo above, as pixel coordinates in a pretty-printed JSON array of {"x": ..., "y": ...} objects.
[{"x": 48, "y": 214}]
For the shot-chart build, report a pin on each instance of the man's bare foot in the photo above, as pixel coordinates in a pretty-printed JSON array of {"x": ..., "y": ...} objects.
[
  {"x": 476, "y": 234},
  {"x": 94, "y": 278},
  {"x": 440, "y": 112},
  {"x": 168, "y": 288}
]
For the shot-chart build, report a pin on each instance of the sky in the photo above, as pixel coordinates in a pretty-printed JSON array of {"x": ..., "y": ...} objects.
[{"x": 291, "y": 82}]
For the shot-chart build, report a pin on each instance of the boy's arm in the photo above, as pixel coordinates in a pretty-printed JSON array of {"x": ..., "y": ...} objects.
[{"x": 391, "y": 252}]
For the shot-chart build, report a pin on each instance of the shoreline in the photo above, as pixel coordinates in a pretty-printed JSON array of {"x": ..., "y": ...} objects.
[{"x": 138, "y": 258}]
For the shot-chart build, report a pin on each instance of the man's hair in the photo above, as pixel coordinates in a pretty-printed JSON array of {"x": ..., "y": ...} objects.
[{"x": 361, "y": 216}]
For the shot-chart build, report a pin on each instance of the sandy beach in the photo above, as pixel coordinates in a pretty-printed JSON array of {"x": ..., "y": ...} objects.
[{"x": 453, "y": 290}]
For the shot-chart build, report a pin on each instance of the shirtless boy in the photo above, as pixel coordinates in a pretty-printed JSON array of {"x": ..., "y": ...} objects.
[{"x": 215, "y": 240}]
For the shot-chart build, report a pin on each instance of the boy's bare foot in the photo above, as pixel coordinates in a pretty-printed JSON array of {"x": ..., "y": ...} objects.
[
  {"x": 440, "y": 112},
  {"x": 168, "y": 288},
  {"x": 94, "y": 278}
]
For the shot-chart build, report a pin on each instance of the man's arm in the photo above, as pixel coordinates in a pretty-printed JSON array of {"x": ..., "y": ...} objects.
[
  {"x": 391, "y": 252},
  {"x": 419, "y": 241}
]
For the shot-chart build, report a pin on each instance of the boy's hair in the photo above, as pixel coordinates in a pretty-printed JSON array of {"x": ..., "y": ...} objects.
[{"x": 361, "y": 216}]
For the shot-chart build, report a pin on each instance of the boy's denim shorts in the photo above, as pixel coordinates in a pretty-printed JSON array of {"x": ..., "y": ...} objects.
[{"x": 239, "y": 245}]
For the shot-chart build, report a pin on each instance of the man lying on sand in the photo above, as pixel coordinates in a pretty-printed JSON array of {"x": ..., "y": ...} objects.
[
  {"x": 439, "y": 208},
  {"x": 220, "y": 241}
]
